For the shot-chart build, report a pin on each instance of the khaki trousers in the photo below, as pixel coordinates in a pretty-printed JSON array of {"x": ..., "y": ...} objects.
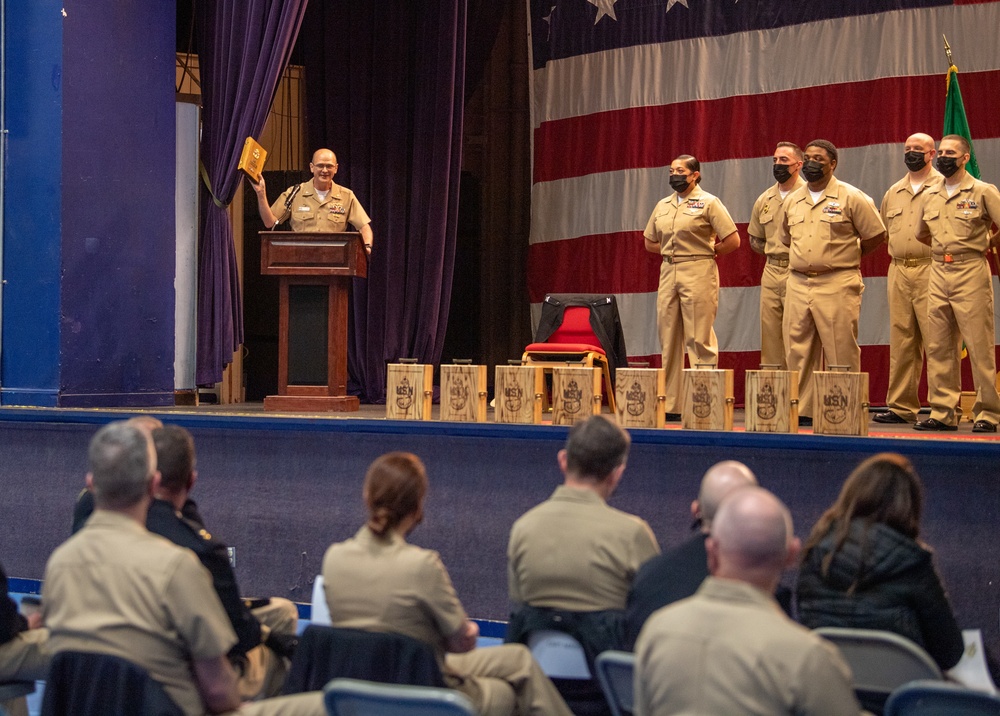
[
  {"x": 907, "y": 293},
  {"x": 773, "y": 283},
  {"x": 686, "y": 305},
  {"x": 24, "y": 658},
  {"x": 821, "y": 321},
  {"x": 262, "y": 672},
  {"x": 960, "y": 304},
  {"x": 308, "y": 704},
  {"x": 506, "y": 680}
]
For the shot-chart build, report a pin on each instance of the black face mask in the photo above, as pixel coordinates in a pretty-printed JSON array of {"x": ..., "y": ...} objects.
[
  {"x": 679, "y": 183},
  {"x": 812, "y": 171},
  {"x": 914, "y": 161},
  {"x": 947, "y": 165},
  {"x": 781, "y": 172}
]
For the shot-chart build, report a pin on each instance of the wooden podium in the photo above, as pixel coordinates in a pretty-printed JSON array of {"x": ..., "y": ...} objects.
[{"x": 315, "y": 270}]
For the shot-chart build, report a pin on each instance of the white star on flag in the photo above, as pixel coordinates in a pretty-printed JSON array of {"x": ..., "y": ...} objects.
[
  {"x": 607, "y": 7},
  {"x": 671, "y": 3},
  {"x": 548, "y": 21}
]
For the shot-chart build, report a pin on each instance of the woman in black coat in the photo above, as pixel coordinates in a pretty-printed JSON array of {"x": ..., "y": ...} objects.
[{"x": 864, "y": 567}]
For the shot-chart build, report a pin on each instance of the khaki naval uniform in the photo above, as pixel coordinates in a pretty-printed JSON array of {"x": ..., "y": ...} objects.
[
  {"x": 775, "y": 276},
  {"x": 577, "y": 553},
  {"x": 310, "y": 213},
  {"x": 823, "y": 302},
  {"x": 909, "y": 272},
  {"x": 115, "y": 588},
  {"x": 960, "y": 297},
  {"x": 730, "y": 649},
  {"x": 688, "y": 296},
  {"x": 384, "y": 584}
]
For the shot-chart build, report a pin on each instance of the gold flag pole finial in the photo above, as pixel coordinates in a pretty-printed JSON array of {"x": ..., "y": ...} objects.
[{"x": 947, "y": 51}]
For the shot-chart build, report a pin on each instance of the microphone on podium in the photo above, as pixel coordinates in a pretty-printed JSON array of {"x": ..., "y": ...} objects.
[{"x": 288, "y": 205}]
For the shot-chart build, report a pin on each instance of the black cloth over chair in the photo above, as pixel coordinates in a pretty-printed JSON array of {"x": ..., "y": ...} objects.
[
  {"x": 604, "y": 319},
  {"x": 326, "y": 653},
  {"x": 596, "y": 631},
  {"x": 88, "y": 684}
]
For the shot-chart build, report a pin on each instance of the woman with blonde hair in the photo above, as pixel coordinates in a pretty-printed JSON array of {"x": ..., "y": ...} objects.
[
  {"x": 864, "y": 566},
  {"x": 379, "y": 582}
]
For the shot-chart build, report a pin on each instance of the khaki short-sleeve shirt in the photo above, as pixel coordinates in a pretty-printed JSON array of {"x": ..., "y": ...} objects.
[
  {"x": 827, "y": 235},
  {"x": 901, "y": 210},
  {"x": 116, "y": 588},
  {"x": 310, "y": 213},
  {"x": 730, "y": 649},
  {"x": 691, "y": 228},
  {"x": 763, "y": 224},
  {"x": 575, "y": 552},
  {"x": 384, "y": 584},
  {"x": 961, "y": 222}
]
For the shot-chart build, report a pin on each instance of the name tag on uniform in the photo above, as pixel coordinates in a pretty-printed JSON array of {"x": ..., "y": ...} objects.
[{"x": 303, "y": 208}]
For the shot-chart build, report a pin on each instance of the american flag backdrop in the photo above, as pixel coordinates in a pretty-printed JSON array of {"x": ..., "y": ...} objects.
[{"x": 619, "y": 88}]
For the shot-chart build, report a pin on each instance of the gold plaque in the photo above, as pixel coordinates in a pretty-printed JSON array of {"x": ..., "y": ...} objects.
[{"x": 252, "y": 159}]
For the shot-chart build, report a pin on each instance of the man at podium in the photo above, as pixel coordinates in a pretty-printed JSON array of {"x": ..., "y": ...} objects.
[{"x": 318, "y": 204}]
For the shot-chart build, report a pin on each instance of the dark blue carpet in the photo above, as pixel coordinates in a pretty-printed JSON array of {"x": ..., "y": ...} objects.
[{"x": 280, "y": 491}]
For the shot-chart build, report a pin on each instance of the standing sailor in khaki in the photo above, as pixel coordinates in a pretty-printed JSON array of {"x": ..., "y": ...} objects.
[
  {"x": 827, "y": 225},
  {"x": 688, "y": 229},
  {"x": 763, "y": 240},
  {"x": 958, "y": 213},
  {"x": 909, "y": 272}
]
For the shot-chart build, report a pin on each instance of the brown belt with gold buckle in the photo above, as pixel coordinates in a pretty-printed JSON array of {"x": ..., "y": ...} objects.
[
  {"x": 822, "y": 272},
  {"x": 776, "y": 261},
  {"x": 685, "y": 259},
  {"x": 911, "y": 262}
]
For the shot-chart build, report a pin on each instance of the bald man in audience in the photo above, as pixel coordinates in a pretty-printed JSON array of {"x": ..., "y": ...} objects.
[
  {"x": 677, "y": 573},
  {"x": 730, "y": 649}
]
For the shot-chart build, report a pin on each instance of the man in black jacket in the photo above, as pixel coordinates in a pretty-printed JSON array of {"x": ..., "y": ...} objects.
[
  {"x": 677, "y": 573},
  {"x": 23, "y": 653},
  {"x": 266, "y": 632}
]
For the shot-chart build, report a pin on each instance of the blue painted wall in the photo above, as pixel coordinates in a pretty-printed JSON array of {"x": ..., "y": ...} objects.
[
  {"x": 29, "y": 363},
  {"x": 89, "y": 231}
]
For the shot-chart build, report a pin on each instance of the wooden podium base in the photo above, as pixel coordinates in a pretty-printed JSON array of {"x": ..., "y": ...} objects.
[{"x": 312, "y": 403}]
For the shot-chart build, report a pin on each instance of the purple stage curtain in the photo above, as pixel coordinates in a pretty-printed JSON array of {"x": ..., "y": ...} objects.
[
  {"x": 243, "y": 48},
  {"x": 388, "y": 100}
]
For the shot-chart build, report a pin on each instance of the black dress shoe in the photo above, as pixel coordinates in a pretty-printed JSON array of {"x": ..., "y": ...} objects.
[
  {"x": 889, "y": 417},
  {"x": 805, "y": 421},
  {"x": 983, "y": 426},
  {"x": 673, "y": 417},
  {"x": 933, "y": 424}
]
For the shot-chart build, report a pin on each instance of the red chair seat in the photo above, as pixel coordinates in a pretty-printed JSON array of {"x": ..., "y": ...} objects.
[{"x": 564, "y": 348}]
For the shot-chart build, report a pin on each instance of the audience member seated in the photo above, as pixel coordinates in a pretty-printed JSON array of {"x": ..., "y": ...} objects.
[
  {"x": 575, "y": 553},
  {"x": 677, "y": 573},
  {"x": 24, "y": 654},
  {"x": 376, "y": 581},
  {"x": 864, "y": 566},
  {"x": 267, "y": 632},
  {"x": 115, "y": 588},
  {"x": 730, "y": 649}
]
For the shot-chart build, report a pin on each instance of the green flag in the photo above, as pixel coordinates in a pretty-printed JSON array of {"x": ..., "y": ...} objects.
[{"x": 955, "y": 121}]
